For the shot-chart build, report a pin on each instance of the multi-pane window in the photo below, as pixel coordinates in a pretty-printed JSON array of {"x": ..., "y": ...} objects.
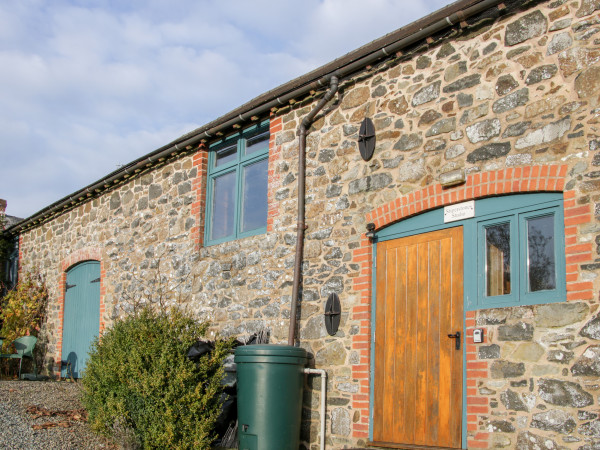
[
  {"x": 514, "y": 248},
  {"x": 520, "y": 259},
  {"x": 237, "y": 185}
]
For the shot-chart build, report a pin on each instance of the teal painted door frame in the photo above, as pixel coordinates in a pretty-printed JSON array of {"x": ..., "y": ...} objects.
[
  {"x": 81, "y": 317},
  {"x": 434, "y": 220}
]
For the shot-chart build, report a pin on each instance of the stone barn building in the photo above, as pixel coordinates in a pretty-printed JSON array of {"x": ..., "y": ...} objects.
[{"x": 442, "y": 181}]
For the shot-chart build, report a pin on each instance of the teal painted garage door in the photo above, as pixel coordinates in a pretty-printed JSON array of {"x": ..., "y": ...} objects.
[{"x": 81, "y": 322}]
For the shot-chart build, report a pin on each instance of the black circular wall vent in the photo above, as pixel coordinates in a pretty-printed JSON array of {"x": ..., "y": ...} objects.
[
  {"x": 366, "y": 139},
  {"x": 333, "y": 311}
]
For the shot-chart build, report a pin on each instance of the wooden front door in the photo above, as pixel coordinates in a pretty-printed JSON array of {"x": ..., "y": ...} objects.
[
  {"x": 81, "y": 318},
  {"x": 418, "y": 369}
]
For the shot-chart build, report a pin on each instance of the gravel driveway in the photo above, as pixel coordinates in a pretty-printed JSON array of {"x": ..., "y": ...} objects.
[{"x": 44, "y": 415}]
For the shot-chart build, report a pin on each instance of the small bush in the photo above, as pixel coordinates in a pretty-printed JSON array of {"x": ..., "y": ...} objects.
[
  {"x": 23, "y": 309},
  {"x": 139, "y": 380}
]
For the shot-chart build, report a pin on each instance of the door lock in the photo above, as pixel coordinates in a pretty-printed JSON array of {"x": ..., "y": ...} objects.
[{"x": 457, "y": 337}]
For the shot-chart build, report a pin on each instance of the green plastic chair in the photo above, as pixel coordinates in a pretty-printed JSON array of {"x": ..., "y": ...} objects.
[
  {"x": 24, "y": 349},
  {"x": 3, "y": 355}
]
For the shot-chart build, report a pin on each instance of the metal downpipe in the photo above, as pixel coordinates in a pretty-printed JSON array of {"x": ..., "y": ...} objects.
[{"x": 301, "y": 226}]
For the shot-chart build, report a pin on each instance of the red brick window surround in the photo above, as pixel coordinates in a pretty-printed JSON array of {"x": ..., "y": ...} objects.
[
  {"x": 84, "y": 254},
  {"x": 200, "y": 162},
  {"x": 529, "y": 179},
  {"x": 275, "y": 126}
]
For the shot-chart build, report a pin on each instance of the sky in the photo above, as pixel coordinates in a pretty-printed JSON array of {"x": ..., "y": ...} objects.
[{"x": 89, "y": 85}]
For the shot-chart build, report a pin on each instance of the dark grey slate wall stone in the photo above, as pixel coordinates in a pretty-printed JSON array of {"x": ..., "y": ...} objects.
[
  {"x": 591, "y": 429},
  {"x": 502, "y": 426},
  {"x": 530, "y": 441},
  {"x": 464, "y": 100},
  {"x": 559, "y": 42},
  {"x": 463, "y": 83},
  {"x": 184, "y": 188},
  {"x": 506, "y": 84},
  {"x": 443, "y": 126},
  {"x": 554, "y": 420},
  {"x": 333, "y": 190},
  {"x": 511, "y": 101},
  {"x": 531, "y": 25},
  {"x": 564, "y": 393},
  {"x": 507, "y": 369},
  {"x": 589, "y": 363},
  {"x": 519, "y": 332},
  {"x": 154, "y": 191},
  {"x": 370, "y": 183},
  {"x": 483, "y": 131},
  {"x": 408, "y": 142},
  {"x": 592, "y": 328},
  {"x": 554, "y": 315},
  {"x": 489, "y": 351},
  {"x": 490, "y": 151},
  {"x": 427, "y": 94},
  {"x": 541, "y": 73},
  {"x": 588, "y": 7},
  {"x": 326, "y": 155},
  {"x": 428, "y": 117},
  {"x": 560, "y": 356},
  {"x": 511, "y": 400},
  {"x": 516, "y": 129},
  {"x": 115, "y": 201}
]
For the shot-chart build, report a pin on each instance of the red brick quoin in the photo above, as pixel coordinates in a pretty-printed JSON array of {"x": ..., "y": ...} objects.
[
  {"x": 539, "y": 178},
  {"x": 200, "y": 162},
  {"x": 84, "y": 254}
]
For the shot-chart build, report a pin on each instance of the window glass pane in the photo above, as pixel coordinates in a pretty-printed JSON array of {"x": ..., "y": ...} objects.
[
  {"x": 540, "y": 253},
  {"x": 497, "y": 249},
  {"x": 223, "y": 206},
  {"x": 226, "y": 155},
  {"x": 258, "y": 143},
  {"x": 254, "y": 208}
]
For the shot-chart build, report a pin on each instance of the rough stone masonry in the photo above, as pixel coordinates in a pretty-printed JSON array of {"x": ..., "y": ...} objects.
[{"x": 511, "y": 99}]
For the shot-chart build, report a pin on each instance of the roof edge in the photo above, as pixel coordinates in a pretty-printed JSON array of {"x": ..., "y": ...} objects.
[{"x": 345, "y": 65}]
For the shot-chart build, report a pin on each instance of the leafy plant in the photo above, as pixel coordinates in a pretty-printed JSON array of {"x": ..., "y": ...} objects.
[
  {"x": 6, "y": 247},
  {"x": 138, "y": 380},
  {"x": 23, "y": 308}
]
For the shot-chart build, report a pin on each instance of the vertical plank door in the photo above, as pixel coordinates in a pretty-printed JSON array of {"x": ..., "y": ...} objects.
[
  {"x": 81, "y": 318},
  {"x": 418, "y": 370}
]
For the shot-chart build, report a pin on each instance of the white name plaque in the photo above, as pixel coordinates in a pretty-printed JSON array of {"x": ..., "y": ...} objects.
[{"x": 459, "y": 211}]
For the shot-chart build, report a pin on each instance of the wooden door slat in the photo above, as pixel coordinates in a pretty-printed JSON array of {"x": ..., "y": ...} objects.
[
  {"x": 400, "y": 350},
  {"x": 418, "y": 371},
  {"x": 390, "y": 340},
  {"x": 379, "y": 381}
]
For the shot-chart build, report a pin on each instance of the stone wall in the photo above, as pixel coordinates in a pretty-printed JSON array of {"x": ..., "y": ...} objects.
[
  {"x": 129, "y": 230},
  {"x": 534, "y": 382},
  {"x": 510, "y": 98}
]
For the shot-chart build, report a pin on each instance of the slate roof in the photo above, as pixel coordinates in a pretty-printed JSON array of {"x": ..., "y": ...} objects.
[{"x": 463, "y": 12}]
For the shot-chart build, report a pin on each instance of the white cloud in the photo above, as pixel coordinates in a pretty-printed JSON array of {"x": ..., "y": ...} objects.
[{"x": 87, "y": 85}]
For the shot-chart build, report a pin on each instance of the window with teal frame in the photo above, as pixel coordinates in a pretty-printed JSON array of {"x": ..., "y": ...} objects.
[
  {"x": 521, "y": 256},
  {"x": 237, "y": 188},
  {"x": 514, "y": 248}
]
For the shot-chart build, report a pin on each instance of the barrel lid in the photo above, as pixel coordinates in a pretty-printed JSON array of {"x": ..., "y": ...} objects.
[{"x": 270, "y": 350}]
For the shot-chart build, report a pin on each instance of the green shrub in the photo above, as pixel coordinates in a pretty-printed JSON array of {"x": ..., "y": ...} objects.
[
  {"x": 23, "y": 308},
  {"x": 138, "y": 378}
]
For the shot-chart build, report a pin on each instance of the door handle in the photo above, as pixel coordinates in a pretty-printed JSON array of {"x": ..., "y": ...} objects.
[{"x": 457, "y": 337}]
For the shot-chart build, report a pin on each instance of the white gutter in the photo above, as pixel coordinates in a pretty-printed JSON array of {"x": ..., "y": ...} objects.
[{"x": 323, "y": 375}]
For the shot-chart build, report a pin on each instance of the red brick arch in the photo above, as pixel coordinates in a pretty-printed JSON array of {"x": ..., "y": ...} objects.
[
  {"x": 538, "y": 178},
  {"x": 83, "y": 254}
]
